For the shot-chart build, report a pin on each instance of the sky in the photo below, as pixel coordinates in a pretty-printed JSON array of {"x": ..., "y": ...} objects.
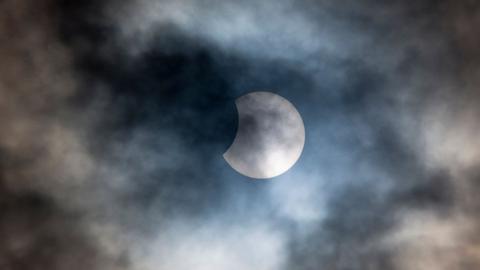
[{"x": 115, "y": 115}]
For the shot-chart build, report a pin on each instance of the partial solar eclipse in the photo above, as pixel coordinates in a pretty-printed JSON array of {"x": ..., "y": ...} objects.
[{"x": 270, "y": 136}]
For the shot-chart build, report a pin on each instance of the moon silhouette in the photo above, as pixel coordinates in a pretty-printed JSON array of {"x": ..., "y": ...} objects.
[{"x": 270, "y": 136}]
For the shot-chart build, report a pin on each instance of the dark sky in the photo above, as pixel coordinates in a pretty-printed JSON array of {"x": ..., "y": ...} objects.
[{"x": 115, "y": 115}]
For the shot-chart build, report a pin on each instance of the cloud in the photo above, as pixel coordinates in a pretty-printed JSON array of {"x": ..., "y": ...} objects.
[
  {"x": 115, "y": 115},
  {"x": 213, "y": 245},
  {"x": 426, "y": 241},
  {"x": 259, "y": 29}
]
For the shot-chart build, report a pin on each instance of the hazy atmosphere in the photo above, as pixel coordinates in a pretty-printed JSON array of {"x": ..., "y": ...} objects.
[{"x": 115, "y": 116}]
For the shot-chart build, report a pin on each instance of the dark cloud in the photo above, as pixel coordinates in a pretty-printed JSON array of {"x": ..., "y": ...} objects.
[
  {"x": 37, "y": 234},
  {"x": 115, "y": 116}
]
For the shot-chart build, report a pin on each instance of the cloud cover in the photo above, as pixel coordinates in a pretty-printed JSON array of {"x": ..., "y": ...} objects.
[{"x": 115, "y": 115}]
